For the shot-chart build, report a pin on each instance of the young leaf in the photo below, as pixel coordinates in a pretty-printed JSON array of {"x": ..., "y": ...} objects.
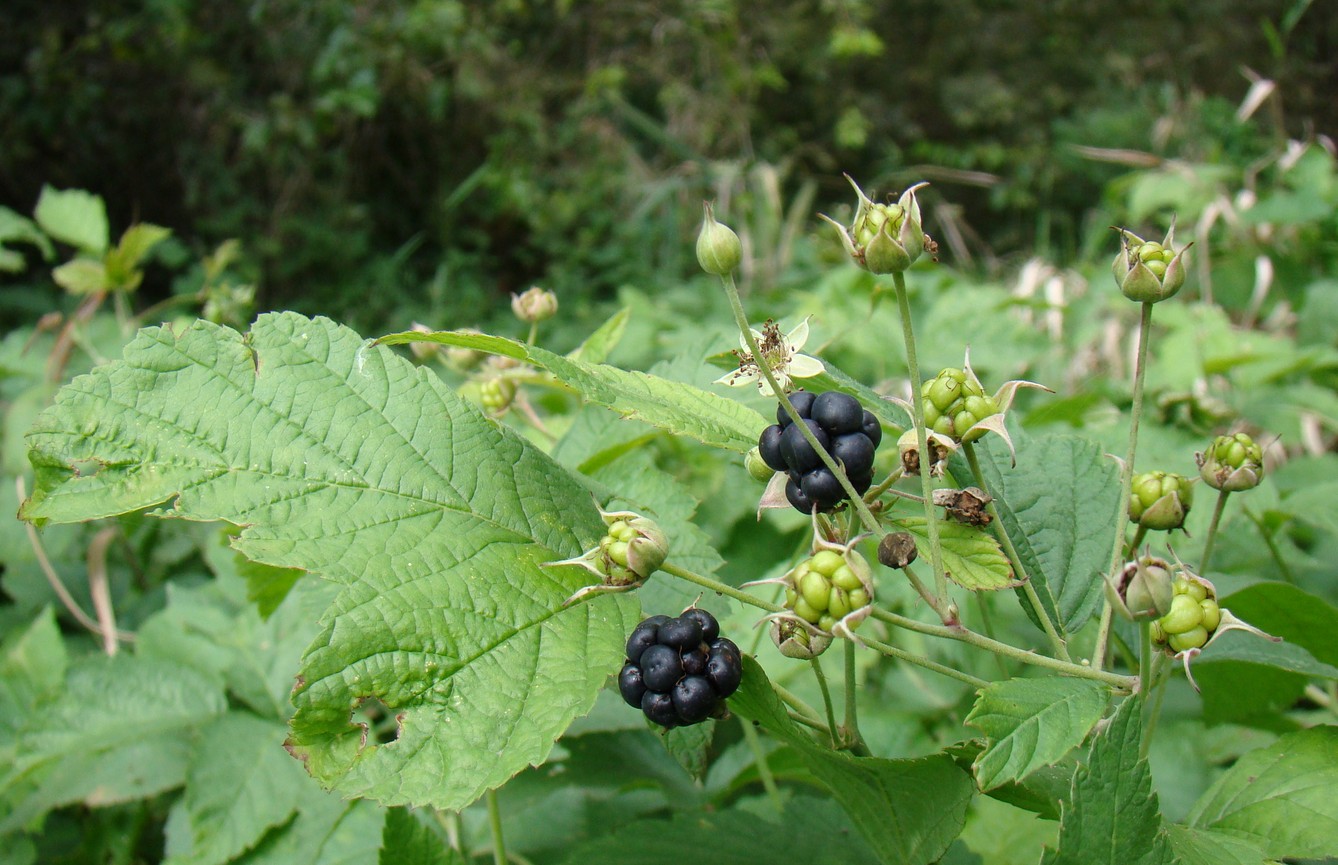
[
  {"x": 908, "y": 810},
  {"x": 1112, "y": 816},
  {"x": 19, "y": 229},
  {"x": 240, "y": 784},
  {"x": 1058, "y": 504},
  {"x": 972, "y": 558},
  {"x": 344, "y": 459},
  {"x": 1032, "y": 723},
  {"x": 75, "y": 217},
  {"x": 597, "y": 347},
  {"x": 1280, "y": 797},
  {"x": 673, "y": 406}
]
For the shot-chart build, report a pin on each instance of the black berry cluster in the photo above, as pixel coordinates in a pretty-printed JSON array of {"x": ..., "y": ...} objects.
[
  {"x": 679, "y": 670},
  {"x": 843, "y": 428}
]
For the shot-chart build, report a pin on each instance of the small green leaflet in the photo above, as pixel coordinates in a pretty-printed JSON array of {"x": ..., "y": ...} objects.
[
  {"x": 673, "y": 406},
  {"x": 344, "y": 459},
  {"x": 1032, "y": 723},
  {"x": 972, "y": 558}
]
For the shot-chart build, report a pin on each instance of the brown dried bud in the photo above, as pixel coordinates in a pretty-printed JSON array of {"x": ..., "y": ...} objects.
[
  {"x": 896, "y": 550},
  {"x": 965, "y": 505}
]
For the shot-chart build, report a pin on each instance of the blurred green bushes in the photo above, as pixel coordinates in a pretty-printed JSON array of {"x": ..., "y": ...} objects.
[{"x": 392, "y": 160}]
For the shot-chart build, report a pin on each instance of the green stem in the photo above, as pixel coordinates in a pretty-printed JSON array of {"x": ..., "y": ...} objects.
[
  {"x": 807, "y": 714},
  {"x": 826, "y": 699},
  {"x": 987, "y": 625},
  {"x": 902, "y": 654},
  {"x": 1154, "y": 711},
  {"x": 1272, "y": 546},
  {"x": 887, "y": 485},
  {"x": 1139, "y": 534},
  {"x": 854, "y": 739},
  {"x": 495, "y": 824},
  {"x": 534, "y": 333},
  {"x": 866, "y": 516},
  {"x": 1212, "y": 531},
  {"x": 1126, "y": 477},
  {"x": 1000, "y": 532},
  {"x": 923, "y": 591},
  {"x": 965, "y": 635},
  {"x": 763, "y": 770},
  {"x": 922, "y": 442},
  {"x": 951, "y": 632}
]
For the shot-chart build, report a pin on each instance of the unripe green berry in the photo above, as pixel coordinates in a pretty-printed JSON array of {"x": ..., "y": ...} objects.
[
  {"x": 1232, "y": 463},
  {"x": 843, "y": 577},
  {"x": 618, "y": 552},
  {"x": 496, "y": 394},
  {"x": 859, "y": 599},
  {"x": 815, "y": 589},
  {"x": 804, "y": 610},
  {"x": 1193, "y": 588},
  {"x": 826, "y": 562},
  {"x": 827, "y": 622},
  {"x": 757, "y": 467},
  {"x": 838, "y": 603},
  {"x": 1185, "y": 613},
  {"x": 1212, "y": 615},
  {"x": 1194, "y": 638},
  {"x": 1159, "y": 500}
]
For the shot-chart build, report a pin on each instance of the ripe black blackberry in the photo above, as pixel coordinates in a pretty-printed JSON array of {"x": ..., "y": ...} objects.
[
  {"x": 845, "y": 430},
  {"x": 679, "y": 671}
]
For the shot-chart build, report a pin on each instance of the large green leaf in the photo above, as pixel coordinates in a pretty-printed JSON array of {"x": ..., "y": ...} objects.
[
  {"x": 1032, "y": 723},
  {"x": 32, "y": 671},
  {"x": 972, "y": 558},
  {"x": 1285, "y": 611},
  {"x": 1280, "y": 798},
  {"x": 240, "y": 784},
  {"x": 75, "y": 217},
  {"x": 342, "y": 458},
  {"x": 679, "y": 408},
  {"x": 908, "y": 810},
  {"x": 1058, "y": 504},
  {"x": 1111, "y": 817},
  {"x": 122, "y": 729}
]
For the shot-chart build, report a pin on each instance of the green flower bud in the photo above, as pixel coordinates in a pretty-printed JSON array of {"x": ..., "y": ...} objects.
[
  {"x": 1147, "y": 271},
  {"x": 535, "y": 304},
  {"x": 718, "y": 248},
  {"x": 1232, "y": 463},
  {"x": 883, "y": 238},
  {"x": 1160, "y": 500},
  {"x": 797, "y": 639}
]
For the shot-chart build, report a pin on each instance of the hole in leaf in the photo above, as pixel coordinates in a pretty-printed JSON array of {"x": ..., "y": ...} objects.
[
  {"x": 382, "y": 725},
  {"x": 86, "y": 468}
]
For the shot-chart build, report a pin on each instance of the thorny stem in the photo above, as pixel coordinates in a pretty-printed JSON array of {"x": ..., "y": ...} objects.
[
  {"x": 495, "y": 824},
  {"x": 763, "y": 770},
  {"x": 1126, "y": 480},
  {"x": 1212, "y": 530},
  {"x": 826, "y": 699},
  {"x": 1000, "y": 532},
  {"x": 922, "y": 442},
  {"x": 850, "y": 729},
  {"x": 866, "y": 516},
  {"x": 951, "y": 632}
]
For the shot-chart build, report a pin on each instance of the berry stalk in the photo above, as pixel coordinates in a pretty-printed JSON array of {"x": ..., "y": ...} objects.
[
  {"x": 866, "y": 516},
  {"x": 1212, "y": 530},
  {"x": 1056, "y": 641},
  {"x": 826, "y": 700},
  {"x": 922, "y": 442},
  {"x": 850, "y": 729},
  {"x": 1126, "y": 481}
]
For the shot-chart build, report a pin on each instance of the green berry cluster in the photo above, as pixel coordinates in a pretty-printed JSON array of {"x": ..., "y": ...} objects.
[
  {"x": 825, "y": 589},
  {"x": 1160, "y": 500},
  {"x": 496, "y": 394},
  {"x": 1192, "y": 618},
  {"x": 955, "y": 402},
  {"x": 1155, "y": 257},
  {"x": 1232, "y": 463}
]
